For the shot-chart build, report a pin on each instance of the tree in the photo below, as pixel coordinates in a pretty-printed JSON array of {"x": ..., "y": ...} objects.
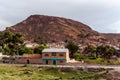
[
  {"x": 11, "y": 41},
  {"x": 106, "y": 51},
  {"x": 73, "y": 48},
  {"x": 6, "y": 51},
  {"x": 90, "y": 50},
  {"x": 4, "y": 38},
  {"x": 25, "y": 50},
  {"x": 1, "y": 50},
  {"x": 39, "y": 49},
  {"x": 77, "y": 56}
]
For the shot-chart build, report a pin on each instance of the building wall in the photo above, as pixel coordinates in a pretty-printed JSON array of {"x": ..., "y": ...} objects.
[
  {"x": 67, "y": 56},
  {"x": 61, "y": 63},
  {"x": 57, "y": 55},
  {"x": 44, "y": 55},
  {"x": 35, "y": 61},
  {"x": 59, "y": 58},
  {"x": 58, "y": 62},
  {"x": 31, "y": 61},
  {"x": 49, "y": 62}
]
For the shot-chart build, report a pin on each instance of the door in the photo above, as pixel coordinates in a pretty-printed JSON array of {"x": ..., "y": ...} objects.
[
  {"x": 54, "y": 62},
  {"x": 28, "y": 62},
  {"x": 46, "y": 61}
]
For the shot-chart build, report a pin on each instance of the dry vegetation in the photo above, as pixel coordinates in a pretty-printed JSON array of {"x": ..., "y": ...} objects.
[{"x": 28, "y": 72}]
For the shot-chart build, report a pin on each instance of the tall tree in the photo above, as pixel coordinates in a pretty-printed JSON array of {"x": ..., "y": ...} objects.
[
  {"x": 11, "y": 41},
  {"x": 25, "y": 50},
  {"x": 106, "y": 51},
  {"x": 39, "y": 49},
  {"x": 90, "y": 50},
  {"x": 73, "y": 48}
]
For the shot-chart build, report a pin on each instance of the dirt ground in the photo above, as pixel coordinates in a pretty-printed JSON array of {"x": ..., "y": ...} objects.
[{"x": 113, "y": 75}]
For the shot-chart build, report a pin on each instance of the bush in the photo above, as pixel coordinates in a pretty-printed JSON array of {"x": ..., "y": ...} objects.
[
  {"x": 105, "y": 62},
  {"x": 79, "y": 56},
  {"x": 115, "y": 62},
  {"x": 25, "y": 65},
  {"x": 91, "y": 57},
  {"x": 68, "y": 70},
  {"x": 99, "y": 60},
  {"x": 82, "y": 57}
]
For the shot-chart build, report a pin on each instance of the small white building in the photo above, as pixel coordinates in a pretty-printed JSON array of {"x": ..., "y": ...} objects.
[
  {"x": 31, "y": 45},
  {"x": 1, "y": 55}
]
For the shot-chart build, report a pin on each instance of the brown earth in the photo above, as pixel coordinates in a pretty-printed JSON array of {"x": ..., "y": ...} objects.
[
  {"x": 57, "y": 29},
  {"x": 112, "y": 75}
]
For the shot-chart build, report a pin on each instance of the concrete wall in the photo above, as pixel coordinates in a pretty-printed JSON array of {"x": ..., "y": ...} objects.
[{"x": 67, "y": 56}]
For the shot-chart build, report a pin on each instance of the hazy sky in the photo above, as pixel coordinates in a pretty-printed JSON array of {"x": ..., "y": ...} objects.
[{"x": 100, "y": 15}]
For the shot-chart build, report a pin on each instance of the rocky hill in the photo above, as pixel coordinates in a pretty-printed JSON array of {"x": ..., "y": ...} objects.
[{"x": 56, "y": 29}]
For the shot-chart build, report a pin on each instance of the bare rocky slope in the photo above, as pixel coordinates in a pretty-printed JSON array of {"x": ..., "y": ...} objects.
[{"x": 56, "y": 29}]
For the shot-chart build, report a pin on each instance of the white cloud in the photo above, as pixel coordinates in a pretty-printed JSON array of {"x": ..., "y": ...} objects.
[
  {"x": 101, "y": 15},
  {"x": 116, "y": 26},
  {"x": 4, "y": 24}
]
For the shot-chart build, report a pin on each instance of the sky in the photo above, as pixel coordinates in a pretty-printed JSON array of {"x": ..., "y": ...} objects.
[{"x": 101, "y": 15}]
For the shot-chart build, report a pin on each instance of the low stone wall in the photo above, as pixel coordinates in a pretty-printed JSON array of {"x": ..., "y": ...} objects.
[{"x": 28, "y": 61}]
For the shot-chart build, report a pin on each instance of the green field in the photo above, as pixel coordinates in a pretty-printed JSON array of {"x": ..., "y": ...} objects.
[{"x": 27, "y": 72}]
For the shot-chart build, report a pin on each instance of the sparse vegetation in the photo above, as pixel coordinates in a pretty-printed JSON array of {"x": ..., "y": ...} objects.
[
  {"x": 81, "y": 35},
  {"x": 19, "y": 72}
]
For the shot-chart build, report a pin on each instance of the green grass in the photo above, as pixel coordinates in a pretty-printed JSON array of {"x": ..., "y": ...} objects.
[
  {"x": 94, "y": 60},
  {"x": 25, "y": 72}
]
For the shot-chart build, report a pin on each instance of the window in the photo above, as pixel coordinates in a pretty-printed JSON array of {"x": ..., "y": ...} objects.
[
  {"x": 46, "y": 54},
  {"x": 60, "y": 54},
  {"x": 53, "y": 54}
]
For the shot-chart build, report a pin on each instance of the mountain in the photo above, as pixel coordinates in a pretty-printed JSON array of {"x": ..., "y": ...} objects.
[
  {"x": 113, "y": 39},
  {"x": 56, "y": 29}
]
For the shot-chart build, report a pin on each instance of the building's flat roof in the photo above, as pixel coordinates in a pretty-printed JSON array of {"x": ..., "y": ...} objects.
[{"x": 55, "y": 50}]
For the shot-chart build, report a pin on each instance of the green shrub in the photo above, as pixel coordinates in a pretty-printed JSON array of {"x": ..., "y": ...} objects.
[
  {"x": 82, "y": 57},
  {"x": 25, "y": 65},
  {"x": 79, "y": 56},
  {"x": 116, "y": 62},
  {"x": 91, "y": 57},
  {"x": 99, "y": 60},
  {"x": 105, "y": 62}
]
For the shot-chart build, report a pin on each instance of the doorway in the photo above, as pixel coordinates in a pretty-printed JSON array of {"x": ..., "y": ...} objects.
[
  {"x": 54, "y": 62},
  {"x": 46, "y": 61},
  {"x": 28, "y": 62}
]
